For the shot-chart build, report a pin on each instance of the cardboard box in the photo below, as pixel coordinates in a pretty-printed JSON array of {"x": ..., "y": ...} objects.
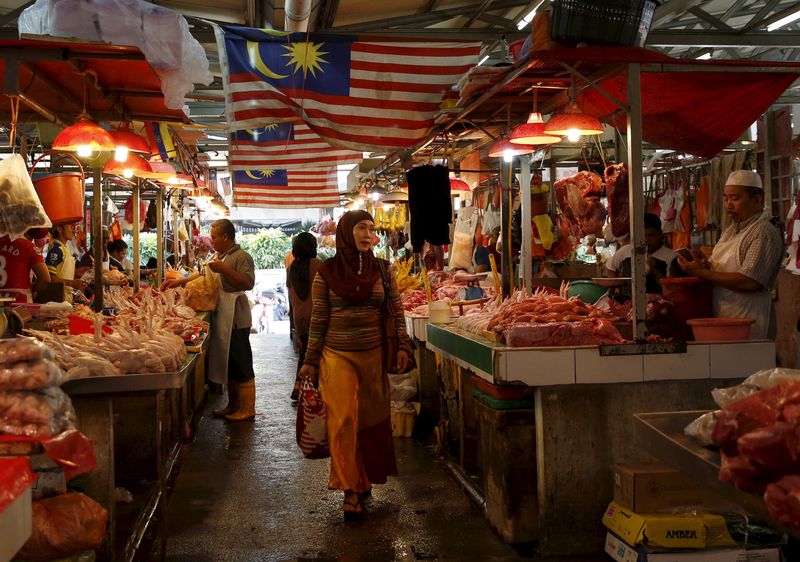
[
  {"x": 16, "y": 525},
  {"x": 649, "y": 488},
  {"x": 621, "y": 552},
  {"x": 667, "y": 530}
]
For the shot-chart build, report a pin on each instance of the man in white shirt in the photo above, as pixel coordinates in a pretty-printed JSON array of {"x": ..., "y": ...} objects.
[{"x": 659, "y": 256}]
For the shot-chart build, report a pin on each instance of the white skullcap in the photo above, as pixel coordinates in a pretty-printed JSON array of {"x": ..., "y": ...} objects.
[{"x": 745, "y": 178}]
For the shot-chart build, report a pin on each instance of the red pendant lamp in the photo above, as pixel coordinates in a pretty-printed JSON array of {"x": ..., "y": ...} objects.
[
  {"x": 84, "y": 137},
  {"x": 128, "y": 141},
  {"x": 457, "y": 185},
  {"x": 503, "y": 148},
  {"x": 161, "y": 171},
  {"x": 134, "y": 165},
  {"x": 573, "y": 122},
  {"x": 532, "y": 132}
]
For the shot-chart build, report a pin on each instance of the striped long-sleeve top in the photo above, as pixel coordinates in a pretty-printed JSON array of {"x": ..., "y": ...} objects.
[{"x": 342, "y": 325}]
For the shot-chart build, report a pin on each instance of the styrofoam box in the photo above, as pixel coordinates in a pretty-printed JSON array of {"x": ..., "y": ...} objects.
[{"x": 16, "y": 525}]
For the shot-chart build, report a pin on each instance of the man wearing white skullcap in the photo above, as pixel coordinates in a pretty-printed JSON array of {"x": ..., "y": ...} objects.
[{"x": 745, "y": 262}]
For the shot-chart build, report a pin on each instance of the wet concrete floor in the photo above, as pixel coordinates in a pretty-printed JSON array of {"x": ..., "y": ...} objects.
[{"x": 245, "y": 493}]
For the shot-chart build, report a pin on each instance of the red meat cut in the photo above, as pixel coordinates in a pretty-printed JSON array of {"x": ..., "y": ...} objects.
[{"x": 617, "y": 193}]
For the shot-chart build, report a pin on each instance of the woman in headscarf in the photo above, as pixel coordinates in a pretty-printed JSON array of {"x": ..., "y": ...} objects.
[
  {"x": 302, "y": 271},
  {"x": 345, "y": 345}
]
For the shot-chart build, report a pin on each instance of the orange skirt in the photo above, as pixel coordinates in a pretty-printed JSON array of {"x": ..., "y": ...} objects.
[{"x": 356, "y": 395}]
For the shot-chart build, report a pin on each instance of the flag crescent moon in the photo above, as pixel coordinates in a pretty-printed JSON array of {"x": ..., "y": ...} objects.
[
  {"x": 258, "y": 62},
  {"x": 251, "y": 175}
]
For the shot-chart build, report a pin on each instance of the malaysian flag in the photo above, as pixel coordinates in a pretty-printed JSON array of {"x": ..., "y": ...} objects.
[
  {"x": 370, "y": 95},
  {"x": 286, "y": 188},
  {"x": 286, "y": 146},
  {"x": 159, "y": 136}
]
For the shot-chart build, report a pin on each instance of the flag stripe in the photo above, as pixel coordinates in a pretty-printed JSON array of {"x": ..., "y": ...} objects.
[
  {"x": 365, "y": 95},
  {"x": 401, "y": 49}
]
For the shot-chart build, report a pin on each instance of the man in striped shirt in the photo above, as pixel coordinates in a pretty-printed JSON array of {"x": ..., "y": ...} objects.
[{"x": 745, "y": 262}]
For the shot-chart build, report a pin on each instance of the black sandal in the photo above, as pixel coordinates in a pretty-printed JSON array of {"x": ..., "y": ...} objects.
[{"x": 353, "y": 509}]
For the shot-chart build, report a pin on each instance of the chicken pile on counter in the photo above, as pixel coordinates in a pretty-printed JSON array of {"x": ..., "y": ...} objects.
[
  {"x": 31, "y": 402},
  {"x": 145, "y": 336},
  {"x": 444, "y": 287},
  {"x": 544, "y": 319}
]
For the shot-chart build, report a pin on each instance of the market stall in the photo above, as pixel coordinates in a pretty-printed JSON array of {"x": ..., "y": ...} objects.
[{"x": 571, "y": 399}]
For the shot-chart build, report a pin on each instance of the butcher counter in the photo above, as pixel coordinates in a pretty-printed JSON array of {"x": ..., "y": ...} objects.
[
  {"x": 138, "y": 424},
  {"x": 546, "y": 463}
]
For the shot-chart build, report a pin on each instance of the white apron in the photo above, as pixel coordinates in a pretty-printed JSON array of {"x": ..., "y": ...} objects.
[
  {"x": 221, "y": 326},
  {"x": 68, "y": 272},
  {"x": 737, "y": 304}
]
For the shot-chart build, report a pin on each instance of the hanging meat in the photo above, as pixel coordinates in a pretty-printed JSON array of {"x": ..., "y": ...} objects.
[
  {"x": 578, "y": 197},
  {"x": 617, "y": 193}
]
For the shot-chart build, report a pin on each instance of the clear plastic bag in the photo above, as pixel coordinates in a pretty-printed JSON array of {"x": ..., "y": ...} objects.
[
  {"x": 35, "y": 414},
  {"x": 20, "y": 208},
  {"x": 761, "y": 380},
  {"x": 30, "y": 375},
  {"x": 160, "y": 33},
  {"x": 14, "y": 350},
  {"x": 702, "y": 427}
]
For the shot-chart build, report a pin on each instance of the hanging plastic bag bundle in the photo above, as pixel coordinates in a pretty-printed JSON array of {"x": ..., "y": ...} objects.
[{"x": 20, "y": 208}]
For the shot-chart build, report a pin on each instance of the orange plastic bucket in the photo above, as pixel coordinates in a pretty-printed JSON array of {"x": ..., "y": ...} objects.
[
  {"x": 721, "y": 329},
  {"x": 61, "y": 194}
]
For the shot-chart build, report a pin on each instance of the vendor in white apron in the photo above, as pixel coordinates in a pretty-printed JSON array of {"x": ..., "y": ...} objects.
[
  {"x": 18, "y": 259},
  {"x": 230, "y": 358},
  {"x": 60, "y": 261},
  {"x": 745, "y": 262}
]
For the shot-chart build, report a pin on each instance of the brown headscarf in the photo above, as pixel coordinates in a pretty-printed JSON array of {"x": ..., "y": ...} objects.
[{"x": 341, "y": 271}]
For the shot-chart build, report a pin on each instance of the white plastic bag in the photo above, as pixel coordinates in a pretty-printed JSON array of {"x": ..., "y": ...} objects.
[
  {"x": 702, "y": 427},
  {"x": 463, "y": 239},
  {"x": 160, "y": 33},
  {"x": 761, "y": 380},
  {"x": 20, "y": 208}
]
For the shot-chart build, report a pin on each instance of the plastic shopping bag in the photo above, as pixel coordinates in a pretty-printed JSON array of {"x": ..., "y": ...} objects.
[
  {"x": 20, "y": 208},
  {"x": 312, "y": 427}
]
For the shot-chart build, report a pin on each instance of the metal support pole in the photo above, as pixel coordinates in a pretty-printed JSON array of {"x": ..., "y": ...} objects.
[
  {"x": 525, "y": 261},
  {"x": 636, "y": 202},
  {"x": 97, "y": 236},
  {"x": 136, "y": 259},
  {"x": 176, "y": 243},
  {"x": 769, "y": 150},
  {"x": 160, "y": 235},
  {"x": 506, "y": 208}
]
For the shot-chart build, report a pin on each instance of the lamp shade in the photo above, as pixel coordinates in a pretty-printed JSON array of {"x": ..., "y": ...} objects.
[
  {"x": 134, "y": 165},
  {"x": 124, "y": 138},
  {"x": 84, "y": 136},
  {"x": 532, "y": 132},
  {"x": 459, "y": 185},
  {"x": 159, "y": 171},
  {"x": 504, "y": 147},
  {"x": 179, "y": 180},
  {"x": 573, "y": 122}
]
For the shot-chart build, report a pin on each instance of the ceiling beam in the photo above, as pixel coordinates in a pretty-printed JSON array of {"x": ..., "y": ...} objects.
[
  {"x": 667, "y": 10},
  {"x": 327, "y": 14},
  {"x": 712, "y": 20},
  {"x": 482, "y": 8},
  {"x": 758, "y": 19},
  {"x": 733, "y": 10},
  {"x": 430, "y": 6},
  {"x": 424, "y": 18},
  {"x": 499, "y": 21},
  {"x": 721, "y": 39},
  {"x": 13, "y": 15}
]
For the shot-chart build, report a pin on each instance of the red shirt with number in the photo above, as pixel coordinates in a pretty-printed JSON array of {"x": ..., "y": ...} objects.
[{"x": 17, "y": 258}]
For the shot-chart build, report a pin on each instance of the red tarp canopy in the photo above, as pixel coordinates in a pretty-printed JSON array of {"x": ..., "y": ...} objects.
[
  {"x": 699, "y": 109},
  {"x": 53, "y": 74}
]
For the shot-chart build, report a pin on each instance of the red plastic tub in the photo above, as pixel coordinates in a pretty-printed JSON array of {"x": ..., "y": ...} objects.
[
  {"x": 691, "y": 296},
  {"x": 721, "y": 329},
  {"x": 501, "y": 392},
  {"x": 61, "y": 194}
]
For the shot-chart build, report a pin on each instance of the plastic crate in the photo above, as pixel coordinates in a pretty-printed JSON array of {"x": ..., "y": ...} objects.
[{"x": 614, "y": 22}]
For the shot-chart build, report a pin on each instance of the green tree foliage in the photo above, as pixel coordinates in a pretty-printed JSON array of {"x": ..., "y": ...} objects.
[{"x": 268, "y": 247}]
